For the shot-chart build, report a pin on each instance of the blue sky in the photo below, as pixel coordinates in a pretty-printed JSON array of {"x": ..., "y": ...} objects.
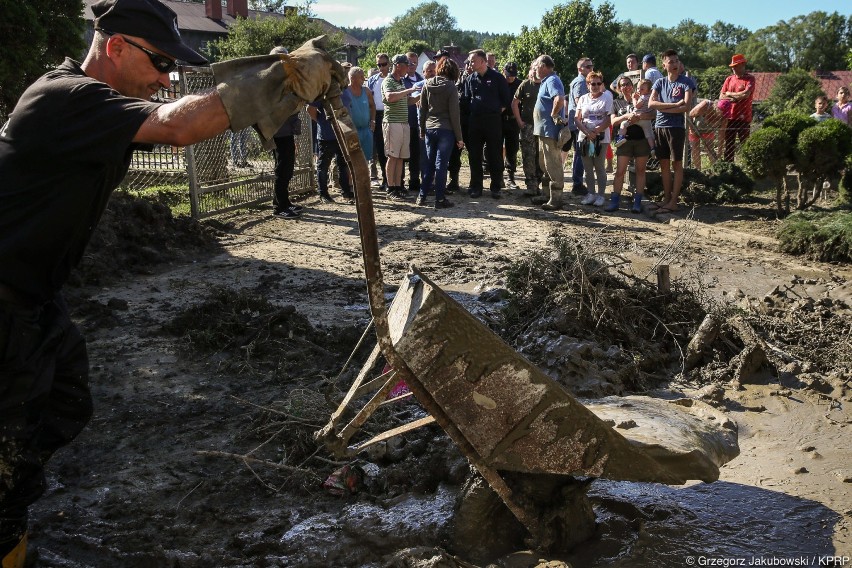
[{"x": 509, "y": 15}]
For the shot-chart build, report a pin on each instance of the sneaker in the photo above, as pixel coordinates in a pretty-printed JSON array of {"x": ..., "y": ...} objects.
[
  {"x": 614, "y": 202},
  {"x": 474, "y": 192},
  {"x": 443, "y": 204},
  {"x": 619, "y": 141},
  {"x": 452, "y": 187},
  {"x": 396, "y": 195},
  {"x": 347, "y": 195},
  {"x": 421, "y": 200},
  {"x": 637, "y": 203},
  {"x": 589, "y": 199},
  {"x": 496, "y": 195},
  {"x": 325, "y": 198},
  {"x": 599, "y": 201},
  {"x": 295, "y": 208},
  {"x": 511, "y": 184},
  {"x": 286, "y": 214}
]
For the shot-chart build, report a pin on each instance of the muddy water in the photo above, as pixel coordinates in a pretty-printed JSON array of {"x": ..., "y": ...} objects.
[{"x": 650, "y": 525}]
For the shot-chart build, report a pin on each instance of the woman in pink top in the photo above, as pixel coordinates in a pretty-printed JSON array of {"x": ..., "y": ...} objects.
[{"x": 842, "y": 110}]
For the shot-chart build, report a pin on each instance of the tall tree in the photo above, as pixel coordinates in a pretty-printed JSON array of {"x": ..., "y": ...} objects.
[
  {"x": 693, "y": 39},
  {"x": 429, "y": 22},
  {"x": 823, "y": 41},
  {"x": 256, "y": 36},
  {"x": 54, "y": 30},
  {"x": 728, "y": 35},
  {"x": 568, "y": 32}
]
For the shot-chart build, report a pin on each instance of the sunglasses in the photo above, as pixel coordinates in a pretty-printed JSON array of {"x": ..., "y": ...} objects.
[
  {"x": 161, "y": 63},
  {"x": 589, "y": 66},
  {"x": 384, "y": 64},
  {"x": 598, "y": 84}
]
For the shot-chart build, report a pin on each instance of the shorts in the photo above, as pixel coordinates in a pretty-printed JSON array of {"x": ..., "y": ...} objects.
[
  {"x": 397, "y": 139},
  {"x": 670, "y": 143},
  {"x": 705, "y": 136},
  {"x": 634, "y": 149}
]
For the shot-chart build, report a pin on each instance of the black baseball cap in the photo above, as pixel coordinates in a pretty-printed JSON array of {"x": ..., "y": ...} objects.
[
  {"x": 150, "y": 20},
  {"x": 441, "y": 53},
  {"x": 511, "y": 69}
]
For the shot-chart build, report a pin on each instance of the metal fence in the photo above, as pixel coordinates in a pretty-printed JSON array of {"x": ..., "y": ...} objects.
[{"x": 226, "y": 172}]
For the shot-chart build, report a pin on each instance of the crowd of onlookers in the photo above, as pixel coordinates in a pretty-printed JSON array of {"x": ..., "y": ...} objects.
[{"x": 414, "y": 127}]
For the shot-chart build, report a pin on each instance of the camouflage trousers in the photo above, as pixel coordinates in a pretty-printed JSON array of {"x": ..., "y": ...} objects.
[{"x": 529, "y": 154}]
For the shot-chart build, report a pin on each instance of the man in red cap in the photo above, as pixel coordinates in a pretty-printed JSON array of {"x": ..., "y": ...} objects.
[
  {"x": 65, "y": 148},
  {"x": 739, "y": 89}
]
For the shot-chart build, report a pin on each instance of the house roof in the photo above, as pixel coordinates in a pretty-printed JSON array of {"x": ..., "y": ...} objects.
[
  {"x": 192, "y": 16},
  {"x": 831, "y": 80}
]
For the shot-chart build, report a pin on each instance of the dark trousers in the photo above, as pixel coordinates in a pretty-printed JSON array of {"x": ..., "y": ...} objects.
[
  {"x": 327, "y": 150},
  {"x": 735, "y": 129},
  {"x": 486, "y": 130},
  {"x": 512, "y": 143},
  {"x": 379, "y": 144},
  {"x": 577, "y": 170},
  {"x": 439, "y": 145},
  {"x": 44, "y": 403},
  {"x": 455, "y": 157},
  {"x": 285, "y": 164},
  {"x": 413, "y": 161}
]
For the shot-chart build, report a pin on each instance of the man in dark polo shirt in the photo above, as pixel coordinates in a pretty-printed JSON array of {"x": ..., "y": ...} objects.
[
  {"x": 65, "y": 148},
  {"x": 488, "y": 95}
]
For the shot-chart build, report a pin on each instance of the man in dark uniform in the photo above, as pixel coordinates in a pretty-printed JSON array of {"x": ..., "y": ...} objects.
[
  {"x": 511, "y": 129},
  {"x": 54, "y": 188},
  {"x": 488, "y": 94}
]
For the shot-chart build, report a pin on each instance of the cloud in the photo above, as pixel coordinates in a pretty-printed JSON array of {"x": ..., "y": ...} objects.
[{"x": 374, "y": 22}]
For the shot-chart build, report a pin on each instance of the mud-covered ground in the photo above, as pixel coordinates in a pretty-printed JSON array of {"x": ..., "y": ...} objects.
[{"x": 219, "y": 354}]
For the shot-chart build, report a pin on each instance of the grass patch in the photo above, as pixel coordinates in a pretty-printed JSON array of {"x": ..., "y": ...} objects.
[
  {"x": 821, "y": 236},
  {"x": 173, "y": 196}
]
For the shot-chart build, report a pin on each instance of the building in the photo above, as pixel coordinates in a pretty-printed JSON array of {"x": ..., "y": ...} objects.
[{"x": 202, "y": 22}]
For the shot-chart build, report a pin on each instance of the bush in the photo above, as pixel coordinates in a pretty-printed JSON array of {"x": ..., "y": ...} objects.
[
  {"x": 844, "y": 188},
  {"x": 766, "y": 153},
  {"x": 841, "y": 133},
  {"x": 791, "y": 123},
  {"x": 821, "y": 236},
  {"x": 818, "y": 152},
  {"x": 793, "y": 91}
]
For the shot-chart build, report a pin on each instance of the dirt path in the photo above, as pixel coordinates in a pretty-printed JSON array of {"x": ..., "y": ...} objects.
[{"x": 133, "y": 490}]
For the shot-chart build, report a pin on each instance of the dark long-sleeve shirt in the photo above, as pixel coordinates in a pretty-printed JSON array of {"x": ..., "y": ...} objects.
[{"x": 488, "y": 93}]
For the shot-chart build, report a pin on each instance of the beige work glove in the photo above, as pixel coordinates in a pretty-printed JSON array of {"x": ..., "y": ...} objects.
[{"x": 265, "y": 90}]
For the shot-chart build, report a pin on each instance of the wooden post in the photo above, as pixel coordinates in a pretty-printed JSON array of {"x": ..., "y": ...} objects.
[{"x": 663, "y": 281}]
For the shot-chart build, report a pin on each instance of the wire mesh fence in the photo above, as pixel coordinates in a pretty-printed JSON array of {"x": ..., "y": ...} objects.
[
  {"x": 710, "y": 136},
  {"x": 226, "y": 172}
]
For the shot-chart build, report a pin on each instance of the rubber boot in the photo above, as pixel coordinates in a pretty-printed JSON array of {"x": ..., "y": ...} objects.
[
  {"x": 532, "y": 188},
  {"x": 614, "y": 203},
  {"x": 555, "y": 202},
  {"x": 16, "y": 558}
]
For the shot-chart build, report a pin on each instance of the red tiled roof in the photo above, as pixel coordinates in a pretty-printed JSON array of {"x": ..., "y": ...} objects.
[{"x": 831, "y": 80}]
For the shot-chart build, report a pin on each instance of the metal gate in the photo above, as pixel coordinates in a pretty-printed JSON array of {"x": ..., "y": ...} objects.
[{"x": 226, "y": 172}]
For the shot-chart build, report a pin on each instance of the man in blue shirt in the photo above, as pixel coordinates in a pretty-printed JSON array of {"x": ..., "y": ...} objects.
[
  {"x": 488, "y": 94},
  {"x": 671, "y": 97},
  {"x": 548, "y": 118},
  {"x": 577, "y": 89}
]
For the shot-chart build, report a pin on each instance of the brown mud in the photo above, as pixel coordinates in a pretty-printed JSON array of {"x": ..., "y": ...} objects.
[{"x": 214, "y": 364}]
